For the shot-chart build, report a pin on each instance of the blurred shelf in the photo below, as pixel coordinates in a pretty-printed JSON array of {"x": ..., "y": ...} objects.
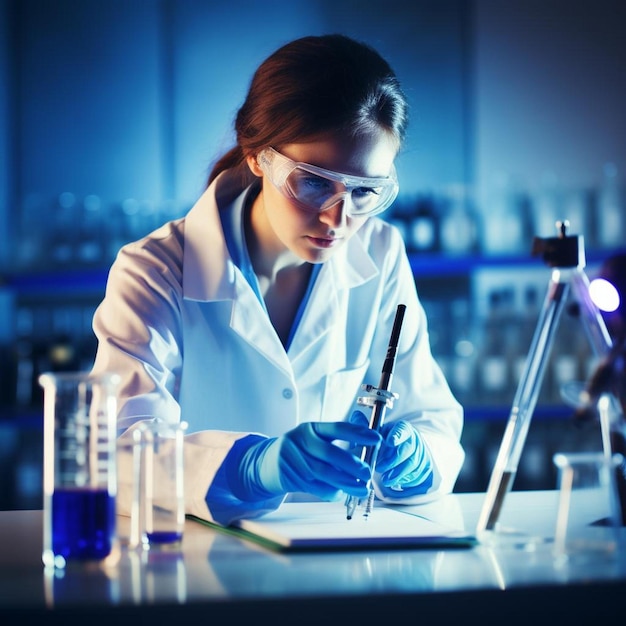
[
  {"x": 439, "y": 264},
  {"x": 26, "y": 419},
  {"x": 80, "y": 280},
  {"x": 44, "y": 289},
  {"x": 42, "y": 282},
  {"x": 501, "y": 413}
]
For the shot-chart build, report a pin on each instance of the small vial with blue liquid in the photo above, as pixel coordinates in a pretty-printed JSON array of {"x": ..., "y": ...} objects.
[{"x": 161, "y": 484}]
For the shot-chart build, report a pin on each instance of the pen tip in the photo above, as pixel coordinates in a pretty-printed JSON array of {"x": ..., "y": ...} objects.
[{"x": 349, "y": 517}]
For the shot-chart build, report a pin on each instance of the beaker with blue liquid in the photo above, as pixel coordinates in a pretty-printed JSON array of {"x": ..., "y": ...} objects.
[{"x": 80, "y": 482}]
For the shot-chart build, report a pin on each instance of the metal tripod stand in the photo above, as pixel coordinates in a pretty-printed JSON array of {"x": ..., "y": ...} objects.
[{"x": 566, "y": 255}]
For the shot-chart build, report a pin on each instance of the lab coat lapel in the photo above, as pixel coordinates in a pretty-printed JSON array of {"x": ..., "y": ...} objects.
[
  {"x": 350, "y": 267},
  {"x": 319, "y": 316},
  {"x": 251, "y": 322},
  {"x": 209, "y": 274}
]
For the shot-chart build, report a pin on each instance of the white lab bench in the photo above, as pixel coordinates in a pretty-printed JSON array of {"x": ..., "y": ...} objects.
[{"x": 215, "y": 576}]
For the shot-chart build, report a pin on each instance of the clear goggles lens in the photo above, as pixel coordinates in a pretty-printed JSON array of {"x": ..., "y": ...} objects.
[{"x": 317, "y": 189}]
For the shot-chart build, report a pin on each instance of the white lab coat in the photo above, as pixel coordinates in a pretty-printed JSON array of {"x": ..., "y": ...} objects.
[{"x": 191, "y": 341}]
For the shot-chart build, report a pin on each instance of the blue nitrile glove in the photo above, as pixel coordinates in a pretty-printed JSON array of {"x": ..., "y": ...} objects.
[
  {"x": 403, "y": 462},
  {"x": 305, "y": 459}
]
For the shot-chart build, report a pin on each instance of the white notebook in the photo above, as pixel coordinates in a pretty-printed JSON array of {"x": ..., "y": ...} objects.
[{"x": 297, "y": 526}]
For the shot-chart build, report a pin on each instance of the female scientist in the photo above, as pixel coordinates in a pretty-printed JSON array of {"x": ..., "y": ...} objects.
[{"x": 257, "y": 317}]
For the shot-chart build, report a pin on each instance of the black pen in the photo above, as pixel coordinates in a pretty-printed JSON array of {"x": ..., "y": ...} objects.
[{"x": 379, "y": 408}]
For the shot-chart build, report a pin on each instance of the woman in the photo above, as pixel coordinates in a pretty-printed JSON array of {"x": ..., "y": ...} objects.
[{"x": 257, "y": 317}]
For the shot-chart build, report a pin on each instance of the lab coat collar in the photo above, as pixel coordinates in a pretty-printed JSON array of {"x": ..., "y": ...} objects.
[{"x": 208, "y": 269}]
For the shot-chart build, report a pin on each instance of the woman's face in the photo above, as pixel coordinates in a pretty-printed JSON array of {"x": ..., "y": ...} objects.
[{"x": 281, "y": 224}]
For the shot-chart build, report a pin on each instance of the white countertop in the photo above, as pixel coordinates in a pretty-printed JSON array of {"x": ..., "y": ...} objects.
[{"x": 215, "y": 569}]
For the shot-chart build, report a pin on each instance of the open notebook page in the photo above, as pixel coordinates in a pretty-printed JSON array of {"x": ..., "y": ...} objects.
[{"x": 323, "y": 525}]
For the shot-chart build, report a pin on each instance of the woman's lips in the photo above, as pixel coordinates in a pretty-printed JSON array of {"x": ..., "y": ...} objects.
[{"x": 324, "y": 242}]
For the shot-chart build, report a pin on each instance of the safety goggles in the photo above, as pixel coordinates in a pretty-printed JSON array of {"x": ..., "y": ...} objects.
[{"x": 316, "y": 189}]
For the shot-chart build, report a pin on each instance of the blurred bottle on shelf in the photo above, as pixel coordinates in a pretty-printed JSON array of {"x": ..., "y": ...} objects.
[
  {"x": 123, "y": 226},
  {"x": 512, "y": 324},
  {"x": 610, "y": 210},
  {"x": 25, "y": 359},
  {"x": 61, "y": 354},
  {"x": 493, "y": 366},
  {"x": 576, "y": 210},
  {"x": 90, "y": 247},
  {"x": 570, "y": 352},
  {"x": 60, "y": 350},
  {"x": 499, "y": 345},
  {"x": 526, "y": 328},
  {"x": 458, "y": 222},
  {"x": 7, "y": 305},
  {"x": 547, "y": 206},
  {"x": 149, "y": 218},
  {"x": 399, "y": 216},
  {"x": 438, "y": 330},
  {"x": 48, "y": 336},
  {"x": 131, "y": 212},
  {"x": 65, "y": 217},
  {"x": 461, "y": 372},
  {"x": 424, "y": 224},
  {"x": 504, "y": 218},
  {"x": 30, "y": 247},
  {"x": 116, "y": 231}
]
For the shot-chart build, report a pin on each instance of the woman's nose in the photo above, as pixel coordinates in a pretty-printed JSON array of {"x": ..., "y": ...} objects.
[{"x": 336, "y": 215}]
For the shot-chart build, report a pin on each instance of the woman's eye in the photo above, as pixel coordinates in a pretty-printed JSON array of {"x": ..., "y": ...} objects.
[
  {"x": 316, "y": 182},
  {"x": 364, "y": 192}
]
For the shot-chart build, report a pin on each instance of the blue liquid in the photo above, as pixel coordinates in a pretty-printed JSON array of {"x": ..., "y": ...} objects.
[
  {"x": 83, "y": 523},
  {"x": 164, "y": 536}
]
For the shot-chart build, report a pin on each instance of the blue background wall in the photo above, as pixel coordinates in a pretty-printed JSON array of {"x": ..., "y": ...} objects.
[{"x": 137, "y": 98}]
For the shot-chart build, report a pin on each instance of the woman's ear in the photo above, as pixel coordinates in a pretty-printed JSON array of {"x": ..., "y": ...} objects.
[{"x": 253, "y": 165}]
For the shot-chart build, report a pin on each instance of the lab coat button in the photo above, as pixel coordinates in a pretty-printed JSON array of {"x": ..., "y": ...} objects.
[{"x": 287, "y": 393}]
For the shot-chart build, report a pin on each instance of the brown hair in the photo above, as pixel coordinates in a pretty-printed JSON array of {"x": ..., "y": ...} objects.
[{"x": 313, "y": 86}]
